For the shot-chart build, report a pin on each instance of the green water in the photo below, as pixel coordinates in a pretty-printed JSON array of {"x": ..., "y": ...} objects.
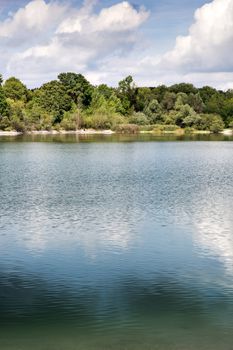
[{"x": 116, "y": 245}]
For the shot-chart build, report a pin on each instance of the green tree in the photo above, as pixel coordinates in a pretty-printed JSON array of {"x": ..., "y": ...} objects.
[
  {"x": 211, "y": 122},
  {"x": 53, "y": 100},
  {"x": 17, "y": 115},
  {"x": 159, "y": 92},
  {"x": 143, "y": 97},
  {"x": 168, "y": 102},
  {"x": 215, "y": 105},
  {"x": 138, "y": 118},
  {"x": 3, "y": 103},
  {"x": 206, "y": 92},
  {"x": 127, "y": 94},
  {"x": 77, "y": 87},
  {"x": 15, "y": 89},
  {"x": 72, "y": 120},
  {"x": 183, "y": 87},
  {"x": 181, "y": 100},
  {"x": 105, "y": 90},
  {"x": 231, "y": 124},
  {"x": 186, "y": 116},
  {"x": 195, "y": 101},
  {"x": 153, "y": 112},
  {"x": 103, "y": 113}
]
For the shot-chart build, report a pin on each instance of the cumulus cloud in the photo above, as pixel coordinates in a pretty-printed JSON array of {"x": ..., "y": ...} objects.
[
  {"x": 202, "y": 57},
  {"x": 31, "y": 22},
  {"x": 51, "y": 37},
  {"x": 46, "y": 37},
  {"x": 117, "y": 18},
  {"x": 209, "y": 43}
]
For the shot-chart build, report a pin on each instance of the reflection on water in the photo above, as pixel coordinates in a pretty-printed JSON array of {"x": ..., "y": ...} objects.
[
  {"x": 116, "y": 245},
  {"x": 76, "y": 138}
]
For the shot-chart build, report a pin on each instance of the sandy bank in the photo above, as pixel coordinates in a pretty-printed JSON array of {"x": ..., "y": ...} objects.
[
  {"x": 75, "y": 132},
  {"x": 9, "y": 133},
  {"x": 227, "y": 132},
  {"x": 62, "y": 132}
]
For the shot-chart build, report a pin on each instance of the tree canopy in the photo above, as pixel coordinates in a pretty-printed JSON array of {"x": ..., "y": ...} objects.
[{"x": 71, "y": 102}]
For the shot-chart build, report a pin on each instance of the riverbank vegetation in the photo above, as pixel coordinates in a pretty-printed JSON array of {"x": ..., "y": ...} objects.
[{"x": 72, "y": 103}]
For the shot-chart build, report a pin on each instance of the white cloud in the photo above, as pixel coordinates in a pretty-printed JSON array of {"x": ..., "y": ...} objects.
[
  {"x": 50, "y": 37},
  {"x": 202, "y": 57},
  {"x": 31, "y": 22},
  {"x": 209, "y": 43},
  {"x": 45, "y": 38},
  {"x": 117, "y": 18}
]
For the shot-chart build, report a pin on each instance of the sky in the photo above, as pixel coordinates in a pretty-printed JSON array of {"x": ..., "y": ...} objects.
[{"x": 155, "y": 41}]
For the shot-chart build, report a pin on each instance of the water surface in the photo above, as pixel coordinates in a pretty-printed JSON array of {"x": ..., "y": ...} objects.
[{"x": 116, "y": 245}]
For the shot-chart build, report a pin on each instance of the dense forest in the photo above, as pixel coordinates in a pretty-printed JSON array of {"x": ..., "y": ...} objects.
[{"x": 71, "y": 103}]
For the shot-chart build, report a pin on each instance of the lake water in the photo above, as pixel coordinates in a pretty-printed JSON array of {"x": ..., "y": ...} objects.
[{"x": 116, "y": 245}]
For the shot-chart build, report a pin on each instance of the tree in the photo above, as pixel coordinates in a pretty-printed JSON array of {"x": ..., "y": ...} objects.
[
  {"x": 181, "y": 99},
  {"x": 127, "y": 93},
  {"x": 77, "y": 87},
  {"x": 53, "y": 99},
  {"x": 72, "y": 120},
  {"x": 183, "y": 87},
  {"x": 138, "y": 118},
  {"x": 159, "y": 92},
  {"x": 192, "y": 119},
  {"x": 195, "y": 101},
  {"x": 168, "y": 101},
  {"x": 15, "y": 89},
  {"x": 103, "y": 113},
  {"x": 227, "y": 111},
  {"x": 211, "y": 122},
  {"x": 105, "y": 90},
  {"x": 108, "y": 106},
  {"x": 143, "y": 97},
  {"x": 72, "y": 102},
  {"x": 153, "y": 112},
  {"x": 186, "y": 116},
  {"x": 17, "y": 114},
  {"x": 206, "y": 92},
  {"x": 3, "y": 103}
]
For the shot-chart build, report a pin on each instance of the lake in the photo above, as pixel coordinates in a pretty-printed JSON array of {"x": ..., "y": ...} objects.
[{"x": 116, "y": 242}]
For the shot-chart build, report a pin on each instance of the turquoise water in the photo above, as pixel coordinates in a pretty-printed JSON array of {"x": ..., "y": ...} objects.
[{"x": 116, "y": 245}]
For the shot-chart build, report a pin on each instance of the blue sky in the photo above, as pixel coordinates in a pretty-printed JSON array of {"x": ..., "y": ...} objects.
[{"x": 155, "y": 41}]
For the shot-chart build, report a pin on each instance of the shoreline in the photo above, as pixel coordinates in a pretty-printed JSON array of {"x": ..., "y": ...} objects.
[
  {"x": 227, "y": 132},
  {"x": 55, "y": 132}
]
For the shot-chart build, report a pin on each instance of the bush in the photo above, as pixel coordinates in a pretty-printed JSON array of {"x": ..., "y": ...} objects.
[
  {"x": 146, "y": 127},
  {"x": 102, "y": 121},
  {"x": 18, "y": 125},
  {"x": 127, "y": 129},
  {"x": 231, "y": 124},
  {"x": 211, "y": 122},
  {"x": 4, "y": 123},
  {"x": 189, "y": 130},
  {"x": 138, "y": 118},
  {"x": 170, "y": 128},
  {"x": 158, "y": 129}
]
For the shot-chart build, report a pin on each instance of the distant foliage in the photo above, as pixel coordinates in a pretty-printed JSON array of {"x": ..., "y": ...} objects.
[{"x": 71, "y": 102}]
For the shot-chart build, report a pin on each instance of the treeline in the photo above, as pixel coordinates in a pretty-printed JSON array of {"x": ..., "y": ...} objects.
[{"x": 71, "y": 103}]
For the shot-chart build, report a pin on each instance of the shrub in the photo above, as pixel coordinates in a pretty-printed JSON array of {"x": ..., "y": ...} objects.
[
  {"x": 127, "y": 129},
  {"x": 231, "y": 124},
  {"x": 170, "y": 128},
  {"x": 189, "y": 130},
  {"x": 211, "y": 122},
  {"x": 138, "y": 118},
  {"x": 158, "y": 129}
]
